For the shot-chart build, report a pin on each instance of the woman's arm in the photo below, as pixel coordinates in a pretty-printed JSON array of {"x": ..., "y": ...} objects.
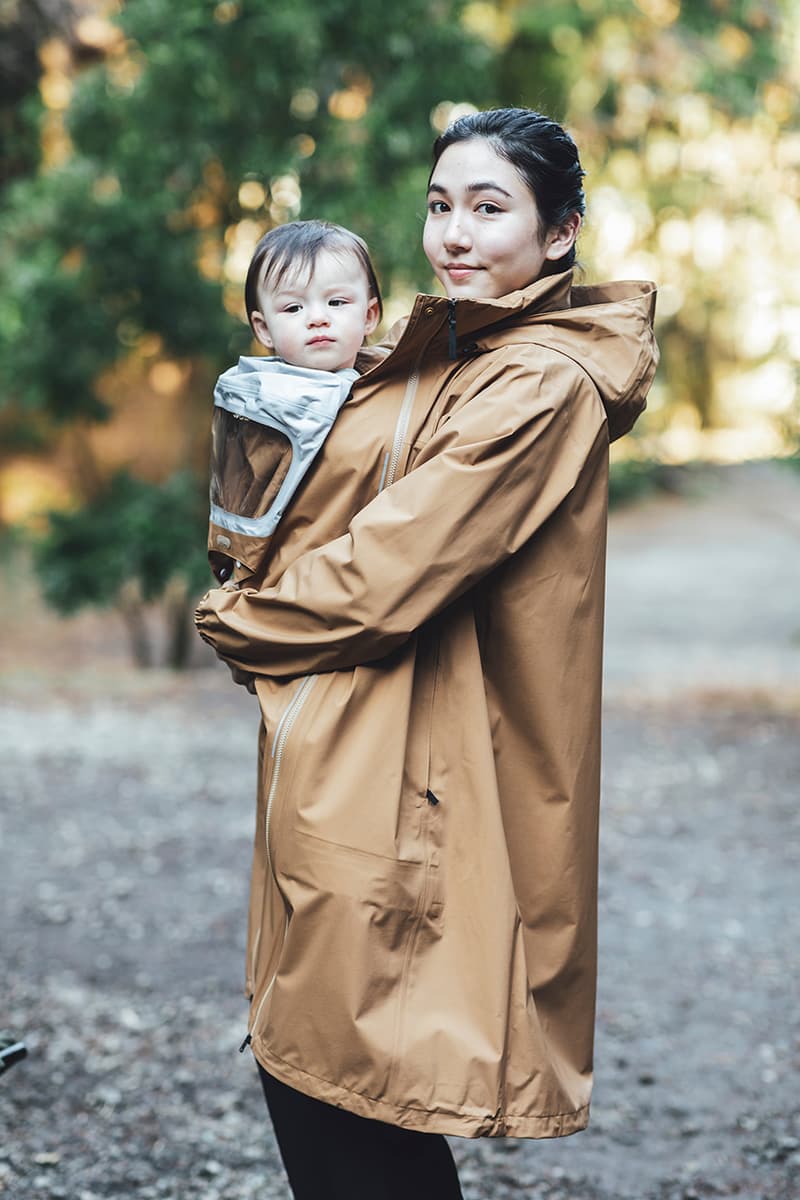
[{"x": 482, "y": 486}]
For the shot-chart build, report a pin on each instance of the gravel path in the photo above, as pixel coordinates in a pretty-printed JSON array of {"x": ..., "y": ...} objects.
[{"x": 125, "y": 831}]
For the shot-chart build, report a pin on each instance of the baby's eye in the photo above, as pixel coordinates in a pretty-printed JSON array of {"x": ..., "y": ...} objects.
[
  {"x": 337, "y": 302},
  {"x": 437, "y": 207},
  {"x": 291, "y": 308}
]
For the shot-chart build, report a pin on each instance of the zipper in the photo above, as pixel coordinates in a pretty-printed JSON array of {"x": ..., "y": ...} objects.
[
  {"x": 452, "y": 345},
  {"x": 401, "y": 428},
  {"x": 382, "y": 483},
  {"x": 411, "y": 947},
  {"x": 267, "y": 991},
  {"x": 286, "y": 712},
  {"x": 278, "y": 746},
  {"x": 285, "y": 726},
  {"x": 280, "y": 725}
]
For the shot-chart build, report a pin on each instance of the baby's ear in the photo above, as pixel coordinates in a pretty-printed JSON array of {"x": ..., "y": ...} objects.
[
  {"x": 372, "y": 317},
  {"x": 261, "y": 330}
]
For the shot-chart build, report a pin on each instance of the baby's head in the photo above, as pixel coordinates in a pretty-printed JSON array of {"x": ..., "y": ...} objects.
[{"x": 312, "y": 295}]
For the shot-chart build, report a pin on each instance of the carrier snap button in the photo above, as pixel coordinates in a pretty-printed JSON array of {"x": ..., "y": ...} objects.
[{"x": 429, "y": 311}]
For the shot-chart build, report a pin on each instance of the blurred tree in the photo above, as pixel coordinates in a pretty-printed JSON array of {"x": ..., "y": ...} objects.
[
  {"x": 205, "y": 124},
  {"x": 25, "y": 26},
  {"x": 125, "y": 547},
  {"x": 686, "y": 115}
]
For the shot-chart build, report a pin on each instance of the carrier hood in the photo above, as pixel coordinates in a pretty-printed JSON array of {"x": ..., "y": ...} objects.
[{"x": 270, "y": 421}]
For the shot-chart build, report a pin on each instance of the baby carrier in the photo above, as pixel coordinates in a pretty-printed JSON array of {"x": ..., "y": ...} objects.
[{"x": 270, "y": 421}]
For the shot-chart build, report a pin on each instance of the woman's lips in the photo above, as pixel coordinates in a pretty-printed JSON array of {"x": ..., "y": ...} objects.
[{"x": 459, "y": 271}]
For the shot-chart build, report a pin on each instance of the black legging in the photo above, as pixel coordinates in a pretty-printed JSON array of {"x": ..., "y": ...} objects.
[{"x": 331, "y": 1154}]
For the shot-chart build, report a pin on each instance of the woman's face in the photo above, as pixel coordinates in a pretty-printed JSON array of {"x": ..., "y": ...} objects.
[{"x": 483, "y": 236}]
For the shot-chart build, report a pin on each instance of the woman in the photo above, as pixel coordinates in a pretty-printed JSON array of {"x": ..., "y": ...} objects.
[{"x": 426, "y": 647}]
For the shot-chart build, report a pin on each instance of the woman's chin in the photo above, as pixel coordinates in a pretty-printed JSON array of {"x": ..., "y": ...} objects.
[{"x": 467, "y": 289}]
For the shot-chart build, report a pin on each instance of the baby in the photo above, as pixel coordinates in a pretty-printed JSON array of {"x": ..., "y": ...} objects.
[{"x": 312, "y": 298}]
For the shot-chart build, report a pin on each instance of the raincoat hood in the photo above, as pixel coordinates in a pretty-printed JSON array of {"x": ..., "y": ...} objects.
[{"x": 606, "y": 329}]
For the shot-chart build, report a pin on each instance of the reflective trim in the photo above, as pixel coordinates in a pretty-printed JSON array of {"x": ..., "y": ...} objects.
[
  {"x": 300, "y": 403},
  {"x": 259, "y": 526}
]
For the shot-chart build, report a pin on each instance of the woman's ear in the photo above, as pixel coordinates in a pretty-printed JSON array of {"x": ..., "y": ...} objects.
[
  {"x": 561, "y": 239},
  {"x": 372, "y": 317},
  {"x": 261, "y": 330}
]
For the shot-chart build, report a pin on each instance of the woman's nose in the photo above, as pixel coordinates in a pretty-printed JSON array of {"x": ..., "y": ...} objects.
[{"x": 456, "y": 234}]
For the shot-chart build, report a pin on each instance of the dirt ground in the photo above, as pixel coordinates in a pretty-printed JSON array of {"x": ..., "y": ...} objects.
[{"x": 125, "y": 828}]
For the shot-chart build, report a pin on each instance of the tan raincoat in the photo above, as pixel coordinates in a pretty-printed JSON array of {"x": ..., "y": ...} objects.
[{"x": 427, "y": 644}]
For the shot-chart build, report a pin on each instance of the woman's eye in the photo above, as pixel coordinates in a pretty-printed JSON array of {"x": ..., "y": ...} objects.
[
  {"x": 488, "y": 208},
  {"x": 437, "y": 207}
]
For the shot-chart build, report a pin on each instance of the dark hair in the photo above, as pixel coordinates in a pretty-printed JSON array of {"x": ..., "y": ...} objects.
[
  {"x": 543, "y": 154},
  {"x": 297, "y": 244}
]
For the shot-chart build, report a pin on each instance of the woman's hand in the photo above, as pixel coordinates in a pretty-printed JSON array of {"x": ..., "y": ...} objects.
[{"x": 201, "y": 614}]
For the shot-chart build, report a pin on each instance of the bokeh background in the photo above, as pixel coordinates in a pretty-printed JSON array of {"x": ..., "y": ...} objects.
[
  {"x": 147, "y": 145},
  {"x": 145, "y": 148}
]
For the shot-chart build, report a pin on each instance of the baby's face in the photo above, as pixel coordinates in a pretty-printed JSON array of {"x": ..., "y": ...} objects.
[{"x": 318, "y": 320}]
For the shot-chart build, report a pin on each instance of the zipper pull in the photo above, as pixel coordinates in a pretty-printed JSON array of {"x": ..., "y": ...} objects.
[
  {"x": 245, "y": 1044},
  {"x": 451, "y": 321}
]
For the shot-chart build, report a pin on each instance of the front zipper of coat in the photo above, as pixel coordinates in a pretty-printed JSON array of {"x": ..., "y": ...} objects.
[
  {"x": 401, "y": 428},
  {"x": 452, "y": 341},
  {"x": 409, "y": 396},
  {"x": 431, "y": 802},
  {"x": 284, "y": 728}
]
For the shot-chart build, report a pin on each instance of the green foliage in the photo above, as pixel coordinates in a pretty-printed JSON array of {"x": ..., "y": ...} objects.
[
  {"x": 760, "y": 24},
  {"x": 131, "y": 531},
  {"x": 633, "y": 479},
  {"x": 132, "y": 235},
  {"x": 106, "y": 248},
  {"x": 54, "y": 335},
  {"x": 684, "y": 114},
  {"x": 630, "y": 480},
  {"x": 98, "y": 251}
]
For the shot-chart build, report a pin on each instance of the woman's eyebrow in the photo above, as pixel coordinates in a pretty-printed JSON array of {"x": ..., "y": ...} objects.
[
  {"x": 488, "y": 185},
  {"x": 481, "y": 185}
]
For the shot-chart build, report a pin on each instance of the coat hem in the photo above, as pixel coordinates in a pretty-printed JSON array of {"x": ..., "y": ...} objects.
[{"x": 455, "y": 1122}]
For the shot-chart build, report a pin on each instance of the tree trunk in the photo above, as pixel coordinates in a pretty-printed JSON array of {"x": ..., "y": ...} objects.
[
  {"x": 131, "y": 608},
  {"x": 177, "y": 606}
]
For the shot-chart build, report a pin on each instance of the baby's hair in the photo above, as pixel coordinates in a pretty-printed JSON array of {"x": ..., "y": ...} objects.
[{"x": 297, "y": 245}]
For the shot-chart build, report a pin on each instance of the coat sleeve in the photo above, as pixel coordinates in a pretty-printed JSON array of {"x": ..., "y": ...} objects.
[{"x": 480, "y": 488}]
